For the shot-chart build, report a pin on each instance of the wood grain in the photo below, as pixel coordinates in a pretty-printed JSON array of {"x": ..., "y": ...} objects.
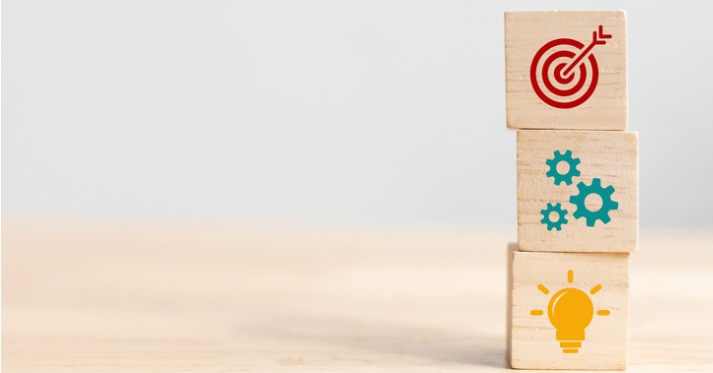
[
  {"x": 609, "y": 156},
  {"x": 527, "y": 32},
  {"x": 81, "y": 297}
]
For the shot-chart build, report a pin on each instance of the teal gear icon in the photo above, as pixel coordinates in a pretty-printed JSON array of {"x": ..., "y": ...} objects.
[
  {"x": 561, "y": 219},
  {"x": 607, "y": 203},
  {"x": 572, "y": 162}
]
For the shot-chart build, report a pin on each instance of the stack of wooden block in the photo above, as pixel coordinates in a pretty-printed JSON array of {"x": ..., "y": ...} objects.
[{"x": 577, "y": 189}]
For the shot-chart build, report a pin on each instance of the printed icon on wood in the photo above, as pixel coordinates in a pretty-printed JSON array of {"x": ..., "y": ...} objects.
[
  {"x": 570, "y": 310},
  {"x": 577, "y": 191},
  {"x": 566, "y": 70},
  {"x": 593, "y": 203}
]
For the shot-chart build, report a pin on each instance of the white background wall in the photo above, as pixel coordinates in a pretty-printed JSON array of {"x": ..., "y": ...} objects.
[{"x": 359, "y": 112}]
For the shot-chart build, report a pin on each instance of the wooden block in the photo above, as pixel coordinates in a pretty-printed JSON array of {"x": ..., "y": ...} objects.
[
  {"x": 568, "y": 311},
  {"x": 588, "y": 178},
  {"x": 548, "y": 85}
]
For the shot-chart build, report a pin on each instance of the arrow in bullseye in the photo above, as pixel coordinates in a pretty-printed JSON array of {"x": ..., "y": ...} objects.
[{"x": 598, "y": 38}]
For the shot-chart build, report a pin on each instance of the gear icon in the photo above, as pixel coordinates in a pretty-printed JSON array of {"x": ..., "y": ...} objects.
[
  {"x": 572, "y": 172},
  {"x": 561, "y": 219},
  {"x": 607, "y": 203}
]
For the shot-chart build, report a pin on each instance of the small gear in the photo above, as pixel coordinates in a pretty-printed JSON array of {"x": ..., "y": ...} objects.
[
  {"x": 572, "y": 162},
  {"x": 607, "y": 203},
  {"x": 561, "y": 219}
]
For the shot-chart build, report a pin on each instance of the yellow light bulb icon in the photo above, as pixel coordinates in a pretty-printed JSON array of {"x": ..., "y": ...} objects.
[{"x": 570, "y": 311}]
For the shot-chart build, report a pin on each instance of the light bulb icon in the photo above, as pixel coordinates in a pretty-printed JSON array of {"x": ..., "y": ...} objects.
[{"x": 570, "y": 311}]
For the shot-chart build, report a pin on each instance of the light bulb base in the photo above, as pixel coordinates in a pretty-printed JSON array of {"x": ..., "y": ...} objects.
[{"x": 570, "y": 347}]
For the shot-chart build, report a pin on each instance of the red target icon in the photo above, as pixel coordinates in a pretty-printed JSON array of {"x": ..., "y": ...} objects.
[{"x": 564, "y": 73}]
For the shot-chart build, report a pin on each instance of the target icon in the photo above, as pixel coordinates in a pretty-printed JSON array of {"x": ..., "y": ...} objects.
[{"x": 564, "y": 72}]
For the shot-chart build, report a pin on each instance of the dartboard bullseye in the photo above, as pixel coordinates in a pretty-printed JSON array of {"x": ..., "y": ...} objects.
[{"x": 564, "y": 73}]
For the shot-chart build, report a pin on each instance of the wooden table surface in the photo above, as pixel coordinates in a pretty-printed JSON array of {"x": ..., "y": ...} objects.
[{"x": 158, "y": 298}]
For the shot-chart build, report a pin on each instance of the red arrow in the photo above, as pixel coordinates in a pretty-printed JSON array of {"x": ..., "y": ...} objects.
[{"x": 598, "y": 38}]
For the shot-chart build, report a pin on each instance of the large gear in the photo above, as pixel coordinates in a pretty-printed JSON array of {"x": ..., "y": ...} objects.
[
  {"x": 607, "y": 203},
  {"x": 572, "y": 162},
  {"x": 561, "y": 219}
]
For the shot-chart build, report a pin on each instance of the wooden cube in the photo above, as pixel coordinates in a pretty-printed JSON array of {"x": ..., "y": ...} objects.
[
  {"x": 566, "y": 70},
  {"x": 568, "y": 310},
  {"x": 577, "y": 191}
]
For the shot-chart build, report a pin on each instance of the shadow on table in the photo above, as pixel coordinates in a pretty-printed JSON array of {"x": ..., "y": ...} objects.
[{"x": 410, "y": 341}]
